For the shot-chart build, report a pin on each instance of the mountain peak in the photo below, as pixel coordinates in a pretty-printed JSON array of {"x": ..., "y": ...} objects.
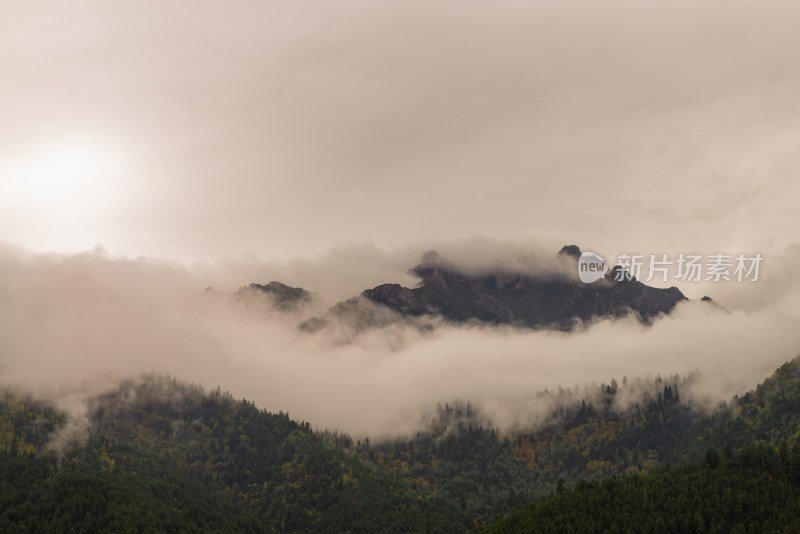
[
  {"x": 283, "y": 297},
  {"x": 571, "y": 250},
  {"x": 618, "y": 273},
  {"x": 521, "y": 299},
  {"x": 432, "y": 258}
]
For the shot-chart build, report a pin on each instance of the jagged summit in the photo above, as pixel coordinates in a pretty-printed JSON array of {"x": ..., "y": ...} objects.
[
  {"x": 571, "y": 250},
  {"x": 519, "y": 299},
  {"x": 284, "y": 298},
  {"x": 432, "y": 258},
  {"x": 715, "y": 304},
  {"x": 280, "y": 289},
  {"x": 620, "y": 275}
]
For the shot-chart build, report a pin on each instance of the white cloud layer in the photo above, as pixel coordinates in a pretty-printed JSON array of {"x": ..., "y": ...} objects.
[{"x": 83, "y": 321}]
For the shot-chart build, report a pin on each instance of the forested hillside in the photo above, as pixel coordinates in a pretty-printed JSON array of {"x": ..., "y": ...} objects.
[
  {"x": 485, "y": 473},
  {"x": 755, "y": 490},
  {"x": 165, "y": 455},
  {"x": 107, "y": 487},
  {"x": 273, "y": 467}
]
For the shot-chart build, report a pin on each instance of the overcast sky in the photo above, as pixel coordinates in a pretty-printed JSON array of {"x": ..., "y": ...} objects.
[
  {"x": 199, "y": 130},
  {"x": 328, "y": 144}
]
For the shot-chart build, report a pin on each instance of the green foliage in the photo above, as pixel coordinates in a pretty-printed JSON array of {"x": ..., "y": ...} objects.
[
  {"x": 469, "y": 466},
  {"x": 485, "y": 474},
  {"x": 166, "y": 456},
  {"x": 755, "y": 490},
  {"x": 102, "y": 487},
  {"x": 291, "y": 478},
  {"x": 26, "y": 425}
]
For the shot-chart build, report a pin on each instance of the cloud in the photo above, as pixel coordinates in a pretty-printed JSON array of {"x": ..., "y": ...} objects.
[
  {"x": 71, "y": 320},
  {"x": 328, "y": 146},
  {"x": 289, "y": 129}
]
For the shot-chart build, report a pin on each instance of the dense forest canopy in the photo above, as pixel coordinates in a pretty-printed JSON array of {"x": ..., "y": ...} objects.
[{"x": 160, "y": 454}]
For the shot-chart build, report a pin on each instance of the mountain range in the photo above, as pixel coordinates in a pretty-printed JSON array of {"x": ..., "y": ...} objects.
[{"x": 544, "y": 298}]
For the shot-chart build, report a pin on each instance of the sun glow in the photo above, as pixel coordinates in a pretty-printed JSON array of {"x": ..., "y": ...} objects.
[{"x": 60, "y": 195}]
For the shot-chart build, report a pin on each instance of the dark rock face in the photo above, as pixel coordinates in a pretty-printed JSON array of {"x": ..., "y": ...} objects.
[
  {"x": 571, "y": 250},
  {"x": 352, "y": 316},
  {"x": 713, "y": 303},
  {"x": 522, "y": 300},
  {"x": 283, "y": 297},
  {"x": 398, "y": 298}
]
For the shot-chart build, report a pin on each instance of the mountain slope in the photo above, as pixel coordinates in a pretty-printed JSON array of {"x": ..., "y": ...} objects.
[
  {"x": 282, "y": 297},
  {"x": 541, "y": 299},
  {"x": 753, "y": 490},
  {"x": 484, "y": 473},
  {"x": 273, "y": 467},
  {"x": 105, "y": 487},
  {"x": 173, "y": 448}
]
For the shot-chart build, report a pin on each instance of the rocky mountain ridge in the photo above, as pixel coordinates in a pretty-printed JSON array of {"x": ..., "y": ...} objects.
[{"x": 546, "y": 299}]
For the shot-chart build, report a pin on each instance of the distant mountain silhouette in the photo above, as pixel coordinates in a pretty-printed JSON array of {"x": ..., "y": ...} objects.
[
  {"x": 282, "y": 297},
  {"x": 546, "y": 299}
]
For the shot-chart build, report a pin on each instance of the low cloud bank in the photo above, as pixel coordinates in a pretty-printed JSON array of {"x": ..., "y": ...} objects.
[{"x": 73, "y": 325}]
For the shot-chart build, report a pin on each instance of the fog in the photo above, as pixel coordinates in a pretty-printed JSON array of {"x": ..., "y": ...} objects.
[{"x": 73, "y": 325}]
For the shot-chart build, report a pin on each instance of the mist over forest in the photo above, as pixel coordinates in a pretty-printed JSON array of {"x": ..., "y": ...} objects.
[
  {"x": 76, "y": 324},
  {"x": 370, "y": 266}
]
